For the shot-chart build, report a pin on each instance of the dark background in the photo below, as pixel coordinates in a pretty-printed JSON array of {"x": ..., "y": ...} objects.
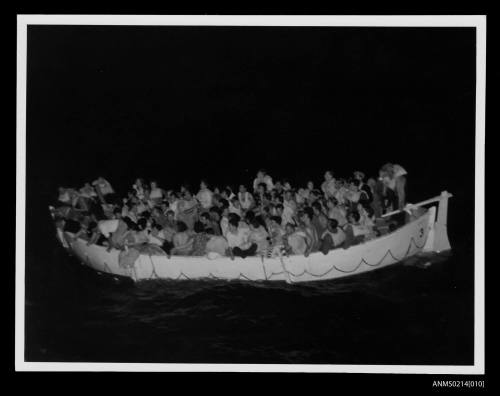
[{"x": 184, "y": 103}]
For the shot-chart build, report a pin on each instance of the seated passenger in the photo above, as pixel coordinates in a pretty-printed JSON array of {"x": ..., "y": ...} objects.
[
  {"x": 319, "y": 220},
  {"x": 238, "y": 240},
  {"x": 216, "y": 245},
  {"x": 296, "y": 240},
  {"x": 305, "y": 218},
  {"x": 335, "y": 211},
  {"x": 259, "y": 236},
  {"x": 214, "y": 222},
  {"x": 333, "y": 237},
  {"x": 354, "y": 232},
  {"x": 200, "y": 239},
  {"x": 328, "y": 186},
  {"x": 263, "y": 178},
  {"x": 114, "y": 230},
  {"x": 156, "y": 194},
  {"x": 182, "y": 240},
  {"x": 235, "y": 207},
  {"x": 245, "y": 198},
  {"x": 188, "y": 210},
  {"x": 204, "y": 196}
]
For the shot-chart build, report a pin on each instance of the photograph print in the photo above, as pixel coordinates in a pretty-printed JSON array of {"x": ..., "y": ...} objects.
[{"x": 249, "y": 193}]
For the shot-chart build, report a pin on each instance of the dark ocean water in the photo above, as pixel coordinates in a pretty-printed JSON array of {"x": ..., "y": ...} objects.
[{"x": 404, "y": 314}]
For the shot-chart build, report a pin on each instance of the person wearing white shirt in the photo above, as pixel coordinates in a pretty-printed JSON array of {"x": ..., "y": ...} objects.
[
  {"x": 262, "y": 177},
  {"x": 204, "y": 196},
  {"x": 238, "y": 240},
  {"x": 245, "y": 198},
  {"x": 328, "y": 186},
  {"x": 156, "y": 194},
  {"x": 235, "y": 207}
]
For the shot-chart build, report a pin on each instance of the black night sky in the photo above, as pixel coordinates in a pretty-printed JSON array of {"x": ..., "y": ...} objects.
[{"x": 182, "y": 103}]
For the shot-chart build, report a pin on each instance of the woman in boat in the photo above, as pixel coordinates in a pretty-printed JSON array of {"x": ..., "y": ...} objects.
[
  {"x": 333, "y": 237},
  {"x": 182, "y": 240},
  {"x": 188, "y": 210}
]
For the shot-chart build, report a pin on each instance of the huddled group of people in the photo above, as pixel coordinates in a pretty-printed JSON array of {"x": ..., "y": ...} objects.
[{"x": 271, "y": 218}]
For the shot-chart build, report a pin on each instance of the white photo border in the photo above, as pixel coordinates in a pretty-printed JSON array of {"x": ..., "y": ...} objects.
[{"x": 476, "y": 21}]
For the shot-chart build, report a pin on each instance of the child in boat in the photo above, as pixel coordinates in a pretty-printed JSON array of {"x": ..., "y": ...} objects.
[{"x": 332, "y": 238}]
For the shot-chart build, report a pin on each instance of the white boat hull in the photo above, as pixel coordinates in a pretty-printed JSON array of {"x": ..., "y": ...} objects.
[{"x": 405, "y": 242}]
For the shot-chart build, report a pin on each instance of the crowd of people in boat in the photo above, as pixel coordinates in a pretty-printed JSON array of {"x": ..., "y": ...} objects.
[{"x": 268, "y": 218}]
